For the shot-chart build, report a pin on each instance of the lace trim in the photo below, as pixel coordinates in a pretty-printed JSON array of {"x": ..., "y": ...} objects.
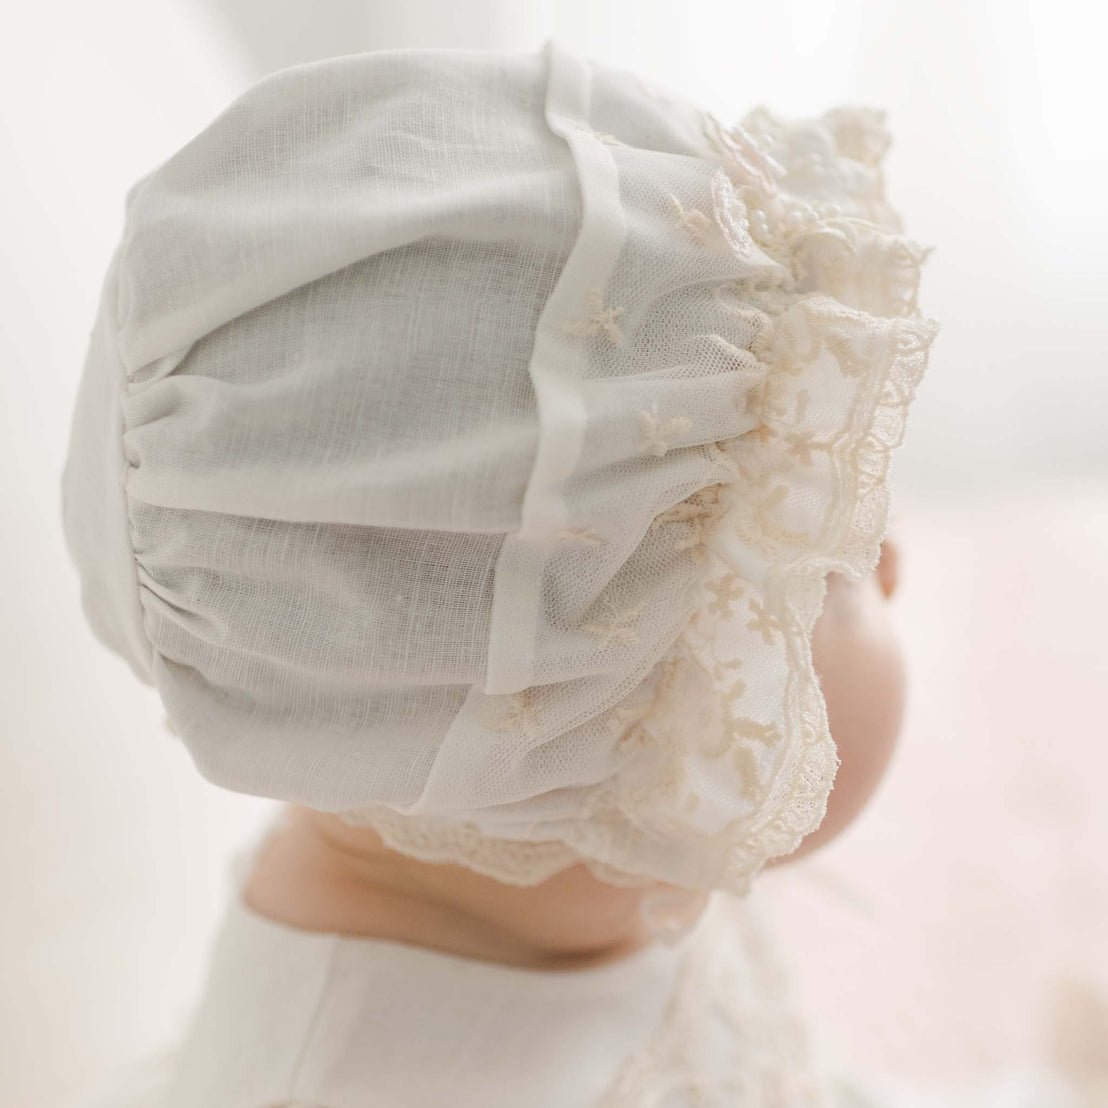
[
  {"x": 732, "y": 1034},
  {"x": 734, "y": 709},
  {"x": 514, "y": 863}
]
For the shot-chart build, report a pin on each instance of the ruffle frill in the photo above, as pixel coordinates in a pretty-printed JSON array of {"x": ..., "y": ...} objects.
[{"x": 729, "y": 760}]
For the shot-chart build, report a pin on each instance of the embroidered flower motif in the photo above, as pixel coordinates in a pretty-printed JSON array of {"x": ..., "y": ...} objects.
[
  {"x": 726, "y": 592},
  {"x": 693, "y": 220},
  {"x": 521, "y": 713},
  {"x": 742, "y": 156},
  {"x": 766, "y": 623},
  {"x": 703, "y": 511},
  {"x": 747, "y": 360},
  {"x": 801, "y": 445},
  {"x": 765, "y": 733},
  {"x": 658, "y": 434},
  {"x": 597, "y": 320},
  {"x": 617, "y": 628},
  {"x": 731, "y": 215}
]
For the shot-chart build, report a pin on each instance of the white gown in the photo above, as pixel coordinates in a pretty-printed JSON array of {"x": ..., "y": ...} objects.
[
  {"x": 294, "y": 1019},
  {"x": 317, "y": 1020}
]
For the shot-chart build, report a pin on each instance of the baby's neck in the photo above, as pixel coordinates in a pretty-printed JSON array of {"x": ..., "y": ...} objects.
[{"x": 317, "y": 873}]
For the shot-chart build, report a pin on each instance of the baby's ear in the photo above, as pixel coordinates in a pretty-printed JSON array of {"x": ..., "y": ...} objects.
[{"x": 888, "y": 567}]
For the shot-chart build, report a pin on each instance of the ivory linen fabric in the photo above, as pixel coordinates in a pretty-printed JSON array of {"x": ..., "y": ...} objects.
[{"x": 465, "y": 439}]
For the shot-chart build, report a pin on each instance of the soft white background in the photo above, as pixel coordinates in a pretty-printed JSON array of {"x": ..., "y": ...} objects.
[{"x": 958, "y": 928}]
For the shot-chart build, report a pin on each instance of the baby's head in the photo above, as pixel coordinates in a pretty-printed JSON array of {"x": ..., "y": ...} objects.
[{"x": 465, "y": 445}]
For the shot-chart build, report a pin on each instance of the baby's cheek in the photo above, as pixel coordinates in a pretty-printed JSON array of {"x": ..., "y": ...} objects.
[{"x": 857, "y": 656}]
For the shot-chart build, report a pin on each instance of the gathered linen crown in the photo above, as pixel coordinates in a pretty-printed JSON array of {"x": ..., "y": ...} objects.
[{"x": 464, "y": 442}]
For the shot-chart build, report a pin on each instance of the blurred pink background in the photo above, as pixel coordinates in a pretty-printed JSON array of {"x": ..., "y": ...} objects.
[{"x": 958, "y": 927}]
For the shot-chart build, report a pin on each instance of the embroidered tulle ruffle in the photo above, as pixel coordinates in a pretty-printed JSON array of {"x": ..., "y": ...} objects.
[{"x": 727, "y": 756}]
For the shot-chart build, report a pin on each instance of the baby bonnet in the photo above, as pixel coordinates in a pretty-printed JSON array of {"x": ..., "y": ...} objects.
[{"x": 464, "y": 441}]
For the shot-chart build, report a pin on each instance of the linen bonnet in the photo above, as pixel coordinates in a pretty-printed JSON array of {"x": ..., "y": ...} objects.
[{"x": 464, "y": 441}]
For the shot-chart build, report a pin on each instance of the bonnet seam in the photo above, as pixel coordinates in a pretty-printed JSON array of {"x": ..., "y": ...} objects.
[
  {"x": 139, "y": 611},
  {"x": 575, "y": 315}
]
